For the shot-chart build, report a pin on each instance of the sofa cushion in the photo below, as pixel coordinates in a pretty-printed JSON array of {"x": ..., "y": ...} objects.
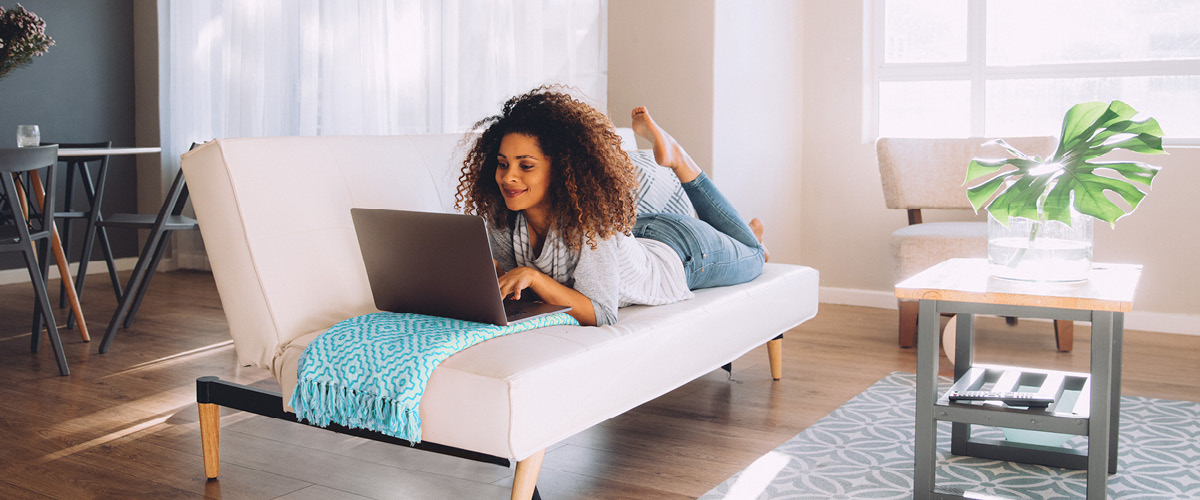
[
  {"x": 513, "y": 395},
  {"x": 659, "y": 190}
]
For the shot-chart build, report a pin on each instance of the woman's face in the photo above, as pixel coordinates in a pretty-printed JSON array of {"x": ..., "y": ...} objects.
[{"x": 523, "y": 173}]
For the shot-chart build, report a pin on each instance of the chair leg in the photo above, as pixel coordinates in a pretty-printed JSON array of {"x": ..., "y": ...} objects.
[
  {"x": 43, "y": 300},
  {"x": 775, "y": 355},
  {"x": 89, "y": 231},
  {"x": 1064, "y": 335},
  {"x": 210, "y": 438},
  {"x": 525, "y": 480},
  {"x": 112, "y": 265},
  {"x": 68, "y": 205},
  {"x": 145, "y": 285},
  {"x": 40, "y": 314},
  {"x": 908, "y": 322},
  {"x": 95, "y": 192},
  {"x": 81, "y": 274}
]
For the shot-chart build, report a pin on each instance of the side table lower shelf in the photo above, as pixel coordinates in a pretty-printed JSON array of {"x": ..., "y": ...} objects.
[
  {"x": 1069, "y": 414},
  {"x": 1099, "y": 393}
]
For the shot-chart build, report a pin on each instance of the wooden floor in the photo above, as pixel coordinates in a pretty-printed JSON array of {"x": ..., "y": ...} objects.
[{"x": 123, "y": 425}]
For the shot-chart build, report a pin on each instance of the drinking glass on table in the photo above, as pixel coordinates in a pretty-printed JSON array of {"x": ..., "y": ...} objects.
[{"x": 28, "y": 135}]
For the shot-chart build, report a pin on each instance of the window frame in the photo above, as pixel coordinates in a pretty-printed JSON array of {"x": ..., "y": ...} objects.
[{"x": 976, "y": 71}]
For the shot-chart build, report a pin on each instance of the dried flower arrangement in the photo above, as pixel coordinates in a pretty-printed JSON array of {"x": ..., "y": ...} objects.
[{"x": 22, "y": 37}]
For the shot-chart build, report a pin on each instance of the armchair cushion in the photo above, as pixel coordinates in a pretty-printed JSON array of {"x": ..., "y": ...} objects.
[{"x": 920, "y": 246}]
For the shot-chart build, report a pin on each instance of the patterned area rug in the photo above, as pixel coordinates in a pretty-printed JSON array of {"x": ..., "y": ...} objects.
[{"x": 864, "y": 450}]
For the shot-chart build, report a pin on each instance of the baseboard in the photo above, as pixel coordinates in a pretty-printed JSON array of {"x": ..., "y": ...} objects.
[
  {"x": 21, "y": 275},
  {"x": 1185, "y": 324},
  {"x": 858, "y": 297},
  {"x": 192, "y": 260}
]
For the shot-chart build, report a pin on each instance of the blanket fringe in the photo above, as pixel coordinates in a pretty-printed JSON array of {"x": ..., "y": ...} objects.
[{"x": 322, "y": 402}]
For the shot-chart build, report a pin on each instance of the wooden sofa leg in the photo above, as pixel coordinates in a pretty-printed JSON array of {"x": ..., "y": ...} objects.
[
  {"x": 526, "y": 477},
  {"x": 1064, "y": 335},
  {"x": 775, "y": 354},
  {"x": 908, "y": 322},
  {"x": 210, "y": 436}
]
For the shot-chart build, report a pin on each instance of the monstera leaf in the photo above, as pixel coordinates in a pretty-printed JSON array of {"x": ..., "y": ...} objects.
[{"x": 1039, "y": 188}]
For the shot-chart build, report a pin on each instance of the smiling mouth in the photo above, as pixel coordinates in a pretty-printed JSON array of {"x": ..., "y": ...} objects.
[{"x": 513, "y": 193}]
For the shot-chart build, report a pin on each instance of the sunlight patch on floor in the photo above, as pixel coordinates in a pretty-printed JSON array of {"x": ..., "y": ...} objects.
[
  {"x": 22, "y": 335},
  {"x": 172, "y": 359},
  {"x": 120, "y": 433},
  {"x": 755, "y": 479}
]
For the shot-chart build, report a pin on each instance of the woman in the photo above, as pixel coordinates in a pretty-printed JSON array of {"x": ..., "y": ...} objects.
[{"x": 558, "y": 193}]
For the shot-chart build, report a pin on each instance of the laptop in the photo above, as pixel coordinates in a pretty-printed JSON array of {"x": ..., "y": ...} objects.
[{"x": 437, "y": 264}]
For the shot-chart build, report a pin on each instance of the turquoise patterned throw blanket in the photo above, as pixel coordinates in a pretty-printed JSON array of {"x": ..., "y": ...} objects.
[{"x": 370, "y": 372}]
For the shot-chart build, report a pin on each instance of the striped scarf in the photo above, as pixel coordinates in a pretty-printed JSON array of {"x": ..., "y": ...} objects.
[{"x": 556, "y": 260}]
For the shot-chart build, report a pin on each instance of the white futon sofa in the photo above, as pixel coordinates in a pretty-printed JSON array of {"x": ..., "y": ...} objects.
[{"x": 274, "y": 214}]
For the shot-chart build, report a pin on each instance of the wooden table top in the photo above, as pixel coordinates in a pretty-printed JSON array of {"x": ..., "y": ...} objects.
[
  {"x": 1109, "y": 287},
  {"x": 107, "y": 151}
]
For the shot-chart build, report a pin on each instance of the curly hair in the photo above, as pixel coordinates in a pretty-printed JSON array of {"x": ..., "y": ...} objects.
[{"x": 593, "y": 183}]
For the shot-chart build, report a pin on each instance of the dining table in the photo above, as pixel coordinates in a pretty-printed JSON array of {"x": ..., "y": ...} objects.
[{"x": 56, "y": 248}]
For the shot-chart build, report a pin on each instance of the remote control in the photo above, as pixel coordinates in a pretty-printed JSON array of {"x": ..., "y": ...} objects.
[{"x": 1009, "y": 398}]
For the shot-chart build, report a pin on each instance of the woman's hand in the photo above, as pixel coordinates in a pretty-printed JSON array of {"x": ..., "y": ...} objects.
[
  {"x": 512, "y": 282},
  {"x": 550, "y": 291}
]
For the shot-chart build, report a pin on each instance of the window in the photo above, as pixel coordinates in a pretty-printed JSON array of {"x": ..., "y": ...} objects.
[{"x": 990, "y": 68}]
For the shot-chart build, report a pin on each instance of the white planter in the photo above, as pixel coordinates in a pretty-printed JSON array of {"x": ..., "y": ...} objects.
[{"x": 1040, "y": 250}]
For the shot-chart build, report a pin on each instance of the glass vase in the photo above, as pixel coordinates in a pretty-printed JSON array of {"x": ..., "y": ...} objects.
[{"x": 1042, "y": 250}]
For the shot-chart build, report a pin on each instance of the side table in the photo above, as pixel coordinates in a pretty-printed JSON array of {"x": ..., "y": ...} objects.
[{"x": 964, "y": 287}]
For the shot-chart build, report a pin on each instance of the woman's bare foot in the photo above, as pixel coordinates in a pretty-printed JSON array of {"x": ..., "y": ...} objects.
[
  {"x": 667, "y": 152},
  {"x": 756, "y": 226}
]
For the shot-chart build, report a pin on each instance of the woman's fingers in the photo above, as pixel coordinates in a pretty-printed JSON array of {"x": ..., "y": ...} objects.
[
  {"x": 511, "y": 285},
  {"x": 512, "y": 282}
]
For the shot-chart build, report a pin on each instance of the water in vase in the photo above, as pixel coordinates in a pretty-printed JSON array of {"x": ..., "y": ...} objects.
[{"x": 1043, "y": 259}]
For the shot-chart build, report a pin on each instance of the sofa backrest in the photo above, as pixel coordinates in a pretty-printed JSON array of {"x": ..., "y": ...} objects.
[{"x": 274, "y": 214}]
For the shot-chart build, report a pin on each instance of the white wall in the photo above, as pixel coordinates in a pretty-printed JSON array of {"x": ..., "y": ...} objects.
[
  {"x": 758, "y": 105},
  {"x": 660, "y": 56},
  {"x": 711, "y": 75},
  {"x": 846, "y": 227}
]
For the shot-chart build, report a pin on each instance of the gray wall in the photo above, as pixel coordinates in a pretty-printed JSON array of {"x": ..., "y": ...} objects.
[{"x": 82, "y": 90}]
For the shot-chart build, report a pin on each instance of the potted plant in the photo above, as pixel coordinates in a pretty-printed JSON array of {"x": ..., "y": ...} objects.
[{"x": 1041, "y": 208}]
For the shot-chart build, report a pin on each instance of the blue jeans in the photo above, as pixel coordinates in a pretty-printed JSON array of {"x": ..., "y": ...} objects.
[{"x": 717, "y": 247}]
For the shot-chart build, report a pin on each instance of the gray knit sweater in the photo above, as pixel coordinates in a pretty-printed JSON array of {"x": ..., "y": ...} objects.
[{"x": 620, "y": 271}]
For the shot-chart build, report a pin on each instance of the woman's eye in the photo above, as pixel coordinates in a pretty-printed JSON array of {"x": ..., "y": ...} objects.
[
  {"x": 527, "y": 167},
  {"x": 501, "y": 165}
]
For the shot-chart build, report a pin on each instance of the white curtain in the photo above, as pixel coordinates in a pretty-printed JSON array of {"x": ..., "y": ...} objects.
[{"x": 235, "y": 68}]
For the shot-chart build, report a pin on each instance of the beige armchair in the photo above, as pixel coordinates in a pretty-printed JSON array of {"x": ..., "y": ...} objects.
[{"x": 922, "y": 174}]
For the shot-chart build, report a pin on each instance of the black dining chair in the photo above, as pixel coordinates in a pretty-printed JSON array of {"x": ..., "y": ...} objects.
[
  {"x": 22, "y": 235},
  {"x": 79, "y": 167},
  {"x": 169, "y": 219}
]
